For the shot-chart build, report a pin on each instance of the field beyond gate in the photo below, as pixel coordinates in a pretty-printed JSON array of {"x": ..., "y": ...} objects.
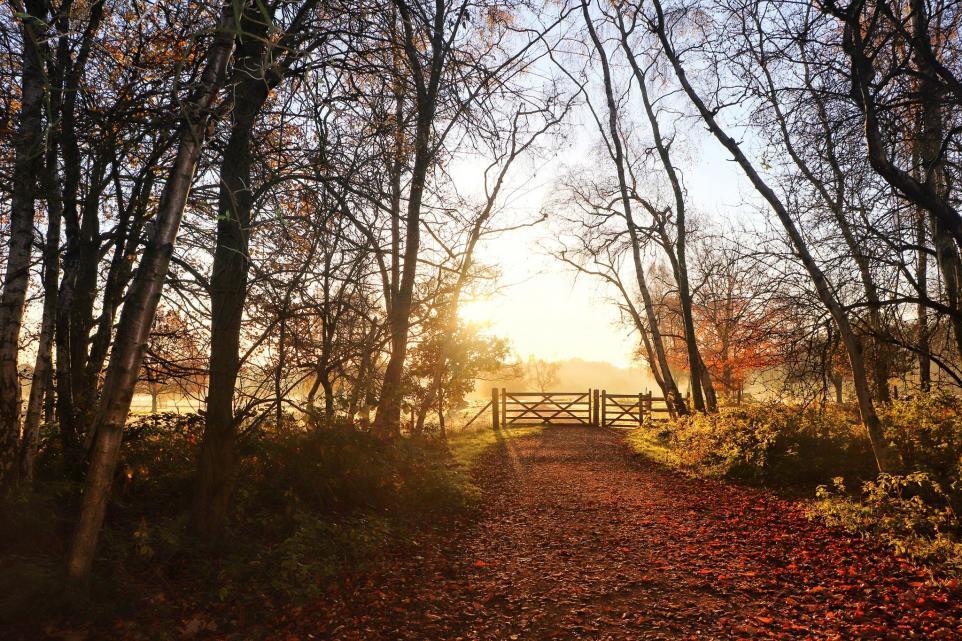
[{"x": 593, "y": 408}]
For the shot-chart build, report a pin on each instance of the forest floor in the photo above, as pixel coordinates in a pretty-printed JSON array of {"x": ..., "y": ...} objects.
[{"x": 581, "y": 539}]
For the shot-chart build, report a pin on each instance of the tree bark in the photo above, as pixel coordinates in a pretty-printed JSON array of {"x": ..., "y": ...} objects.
[
  {"x": 702, "y": 392},
  {"x": 141, "y": 304},
  {"x": 51, "y": 274},
  {"x": 68, "y": 373},
  {"x": 217, "y": 459},
  {"x": 931, "y": 172},
  {"x": 28, "y": 155},
  {"x": 921, "y": 310},
  {"x": 387, "y": 422},
  {"x": 253, "y": 81},
  {"x": 926, "y": 194}
]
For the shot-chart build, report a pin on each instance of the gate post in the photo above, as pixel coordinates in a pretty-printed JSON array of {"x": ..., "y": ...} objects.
[
  {"x": 495, "y": 409},
  {"x": 596, "y": 415},
  {"x": 504, "y": 408},
  {"x": 604, "y": 408},
  {"x": 641, "y": 409}
]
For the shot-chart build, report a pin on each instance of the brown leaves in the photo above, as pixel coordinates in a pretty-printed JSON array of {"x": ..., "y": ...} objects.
[{"x": 582, "y": 542}]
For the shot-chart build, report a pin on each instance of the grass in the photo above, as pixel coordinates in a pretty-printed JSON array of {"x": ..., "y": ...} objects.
[
  {"x": 651, "y": 443},
  {"x": 466, "y": 447}
]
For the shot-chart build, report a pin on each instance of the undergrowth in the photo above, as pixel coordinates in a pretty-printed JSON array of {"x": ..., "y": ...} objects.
[
  {"x": 310, "y": 505},
  {"x": 826, "y": 453}
]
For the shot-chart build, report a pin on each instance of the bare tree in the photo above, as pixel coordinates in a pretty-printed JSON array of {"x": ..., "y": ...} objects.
[
  {"x": 661, "y": 28},
  {"x": 142, "y": 299}
]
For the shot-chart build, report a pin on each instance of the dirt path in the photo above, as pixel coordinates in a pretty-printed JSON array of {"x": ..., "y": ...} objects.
[{"x": 582, "y": 540}]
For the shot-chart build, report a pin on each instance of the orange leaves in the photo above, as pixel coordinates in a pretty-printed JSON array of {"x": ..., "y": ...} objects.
[{"x": 625, "y": 551}]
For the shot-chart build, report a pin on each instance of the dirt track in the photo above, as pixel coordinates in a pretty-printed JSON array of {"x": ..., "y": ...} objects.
[{"x": 580, "y": 539}]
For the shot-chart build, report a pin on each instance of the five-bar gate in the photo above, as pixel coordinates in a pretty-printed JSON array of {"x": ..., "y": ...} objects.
[
  {"x": 551, "y": 408},
  {"x": 590, "y": 408}
]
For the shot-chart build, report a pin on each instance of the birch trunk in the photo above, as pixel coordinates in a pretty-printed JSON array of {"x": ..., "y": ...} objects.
[{"x": 141, "y": 304}]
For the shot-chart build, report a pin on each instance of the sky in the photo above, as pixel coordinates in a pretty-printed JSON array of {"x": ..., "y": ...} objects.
[{"x": 541, "y": 307}]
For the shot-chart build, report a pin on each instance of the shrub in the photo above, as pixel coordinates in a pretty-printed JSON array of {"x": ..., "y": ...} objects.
[
  {"x": 308, "y": 505},
  {"x": 926, "y": 433},
  {"x": 340, "y": 470},
  {"x": 910, "y": 513},
  {"x": 772, "y": 443},
  {"x": 914, "y": 513},
  {"x": 158, "y": 460}
]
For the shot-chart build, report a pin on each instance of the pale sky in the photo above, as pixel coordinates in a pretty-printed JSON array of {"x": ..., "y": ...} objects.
[{"x": 543, "y": 309}]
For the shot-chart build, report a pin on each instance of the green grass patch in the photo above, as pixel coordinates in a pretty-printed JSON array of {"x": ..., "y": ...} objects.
[
  {"x": 466, "y": 447},
  {"x": 653, "y": 444}
]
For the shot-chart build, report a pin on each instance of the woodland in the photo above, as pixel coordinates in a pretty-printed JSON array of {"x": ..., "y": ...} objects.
[{"x": 273, "y": 212}]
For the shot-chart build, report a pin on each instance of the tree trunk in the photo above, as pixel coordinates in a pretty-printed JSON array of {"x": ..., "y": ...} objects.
[
  {"x": 328, "y": 388},
  {"x": 672, "y": 395},
  {"x": 441, "y": 426},
  {"x": 217, "y": 459},
  {"x": 50, "y": 400},
  {"x": 837, "y": 383},
  {"x": 281, "y": 364},
  {"x": 928, "y": 194},
  {"x": 711, "y": 398},
  {"x": 925, "y": 362},
  {"x": 931, "y": 173},
  {"x": 422, "y": 414},
  {"x": 76, "y": 382},
  {"x": 387, "y": 423},
  {"x": 28, "y": 155},
  {"x": 51, "y": 274},
  {"x": 359, "y": 389},
  {"x": 140, "y": 307},
  {"x": 71, "y": 64},
  {"x": 698, "y": 374}
]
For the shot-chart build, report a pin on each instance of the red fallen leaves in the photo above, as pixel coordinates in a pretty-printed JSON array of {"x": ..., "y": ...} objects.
[{"x": 578, "y": 541}]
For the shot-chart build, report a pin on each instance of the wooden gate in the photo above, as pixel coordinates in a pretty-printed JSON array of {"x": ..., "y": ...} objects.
[
  {"x": 631, "y": 410},
  {"x": 591, "y": 408},
  {"x": 546, "y": 408},
  {"x": 624, "y": 410}
]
